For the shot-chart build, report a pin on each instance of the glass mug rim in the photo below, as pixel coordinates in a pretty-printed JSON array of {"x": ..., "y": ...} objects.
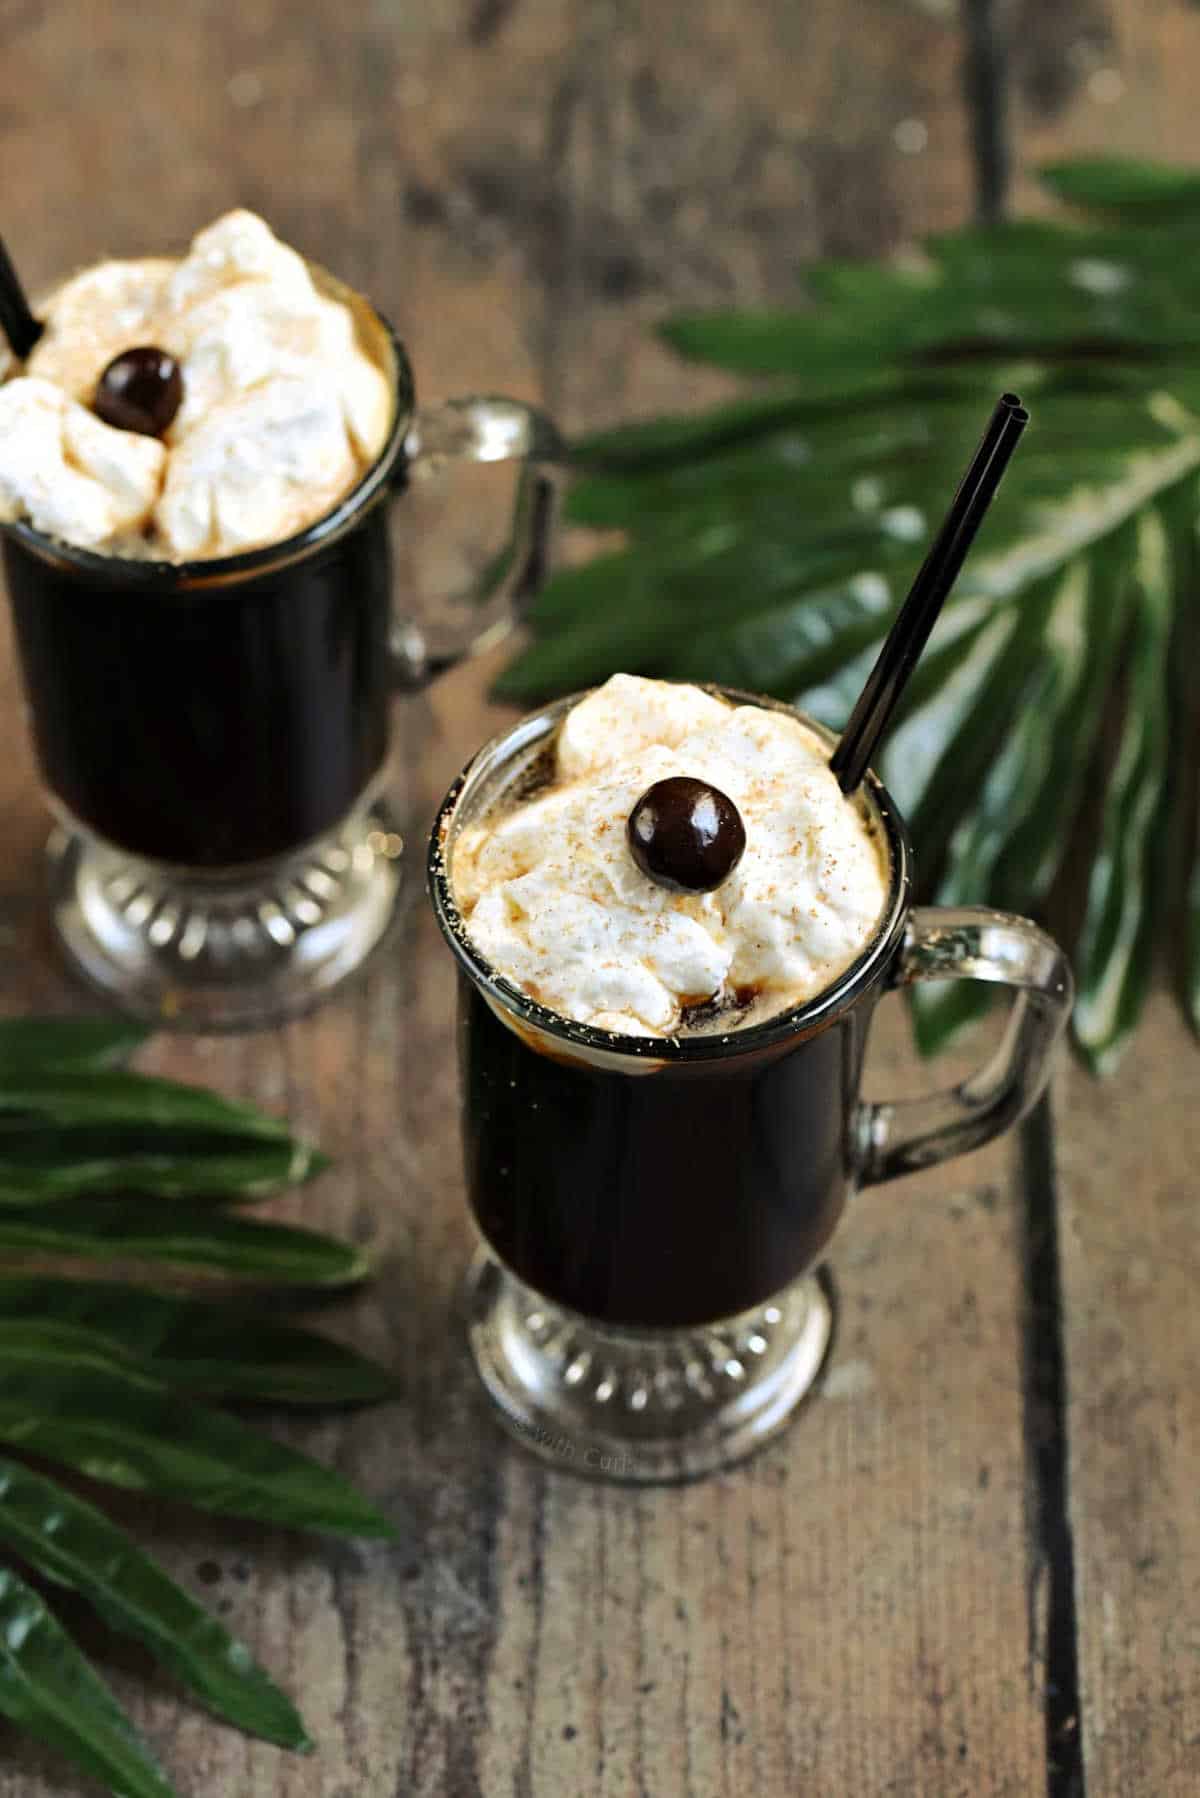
[
  {"x": 134, "y": 575},
  {"x": 783, "y": 1028}
]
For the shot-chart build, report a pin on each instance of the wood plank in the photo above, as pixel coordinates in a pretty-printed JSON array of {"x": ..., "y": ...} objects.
[
  {"x": 526, "y": 188},
  {"x": 1128, "y": 1151},
  {"x": 1127, "y": 1148}
]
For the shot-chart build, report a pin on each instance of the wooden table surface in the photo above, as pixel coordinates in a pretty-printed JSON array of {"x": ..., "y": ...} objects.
[{"x": 973, "y": 1567}]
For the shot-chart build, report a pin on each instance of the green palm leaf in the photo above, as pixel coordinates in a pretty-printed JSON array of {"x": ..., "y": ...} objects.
[
  {"x": 116, "y": 1097},
  {"x": 103, "y": 1376},
  {"x": 1125, "y": 189},
  {"x": 66, "y": 1043},
  {"x": 1118, "y": 928},
  {"x": 73, "y": 1544},
  {"x": 206, "y": 1238},
  {"x": 1009, "y": 845},
  {"x": 49, "y": 1689},
  {"x": 769, "y": 541},
  {"x": 66, "y": 1395},
  {"x": 216, "y": 1349},
  {"x": 80, "y": 1128},
  {"x": 37, "y": 1168}
]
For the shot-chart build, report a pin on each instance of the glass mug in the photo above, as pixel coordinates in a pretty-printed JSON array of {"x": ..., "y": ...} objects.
[
  {"x": 212, "y": 736},
  {"x": 644, "y": 1305}
]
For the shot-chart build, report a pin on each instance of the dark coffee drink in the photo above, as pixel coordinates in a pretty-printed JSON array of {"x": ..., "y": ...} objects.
[
  {"x": 207, "y": 726},
  {"x": 196, "y": 699},
  {"x": 677, "y": 1197},
  {"x": 609, "y": 884}
]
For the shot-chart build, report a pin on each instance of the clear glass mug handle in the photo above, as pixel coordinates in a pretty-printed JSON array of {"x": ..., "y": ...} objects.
[
  {"x": 485, "y": 428},
  {"x": 970, "y": 942}
]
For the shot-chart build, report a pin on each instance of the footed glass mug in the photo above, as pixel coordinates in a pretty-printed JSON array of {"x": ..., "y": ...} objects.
[
  {"x": 212, "y": 736},
  {"x": 644, "y": 1305}
]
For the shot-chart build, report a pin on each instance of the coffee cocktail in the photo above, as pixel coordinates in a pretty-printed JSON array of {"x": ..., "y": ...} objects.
[
  {"x": 673, "y": 929},
  {"x": 217, "y": 726},
  {"x": 191, "y": 463},
  {"x": 673, "y": 1206}
]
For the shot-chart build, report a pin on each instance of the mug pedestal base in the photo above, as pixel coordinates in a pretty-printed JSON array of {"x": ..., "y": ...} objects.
[
  {"x": 224, "y": 950},
  {"x": 642, "y": 1406}
]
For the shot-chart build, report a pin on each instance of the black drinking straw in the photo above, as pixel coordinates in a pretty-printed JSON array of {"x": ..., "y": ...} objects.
[
  {"x": 909, "y": 634},
  {"x": 16, "y": 320}
]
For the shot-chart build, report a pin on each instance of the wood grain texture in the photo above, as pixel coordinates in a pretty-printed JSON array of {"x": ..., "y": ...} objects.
[
  {"x": 1127, "y": 1150},
  {"x": 1127, "y": 1173},
  {"x": 525, "y": 186}
]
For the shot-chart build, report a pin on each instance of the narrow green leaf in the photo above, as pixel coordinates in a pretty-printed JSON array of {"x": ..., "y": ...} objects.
[
  {"x": 609, "y": 585},
  {"x": 1082, "y": 647},
  {"x": 794, "y": 646},
  {"x": 757, "y": 480},
  {"x": 191, "y": 1236},
  {"x": 65, "y": 1397},
  {"x": 962, "y": 622},
  {"x": 1008, "y": 849},
  {"x": 46, "y": 1163},
  {"x": 69, "y": 1131},
  {"x": 1116, "y": 944},
  {"x": 1125, "y": 189},
  {"x": 641, "y": 610},
  {"x": 213, "y": 1349},
  {"x": 949, "y": 722},
  {"x": 48, "y": 1689},
  {"x": 772, "y": 343},
  {"x": 78, "y": 1044},
  {"x": 272, "y": 1364},
  {"x": 1017, "y": 548},
  {"x": 952, "y": 723},
  {"x": 73, "y": 1544},
  {"x": 629, "y": 627},
  {"x": 942, "y": 1008},
  {"x": 678, "y": 439},
  {"x": 117, "y": 1098},
  {"x": 1179, "y": 865},
  {"x": 664, "y": 443},
  {"x": 1027, "y": 289},
  {"x": 681, "y": 437}
]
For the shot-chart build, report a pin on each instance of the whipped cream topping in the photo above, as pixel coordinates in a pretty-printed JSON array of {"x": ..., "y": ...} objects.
[
  {"x": 552, "y": 898},
  {"x": 283, "y": 410},
  {"x": 69, "y": 473}
]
